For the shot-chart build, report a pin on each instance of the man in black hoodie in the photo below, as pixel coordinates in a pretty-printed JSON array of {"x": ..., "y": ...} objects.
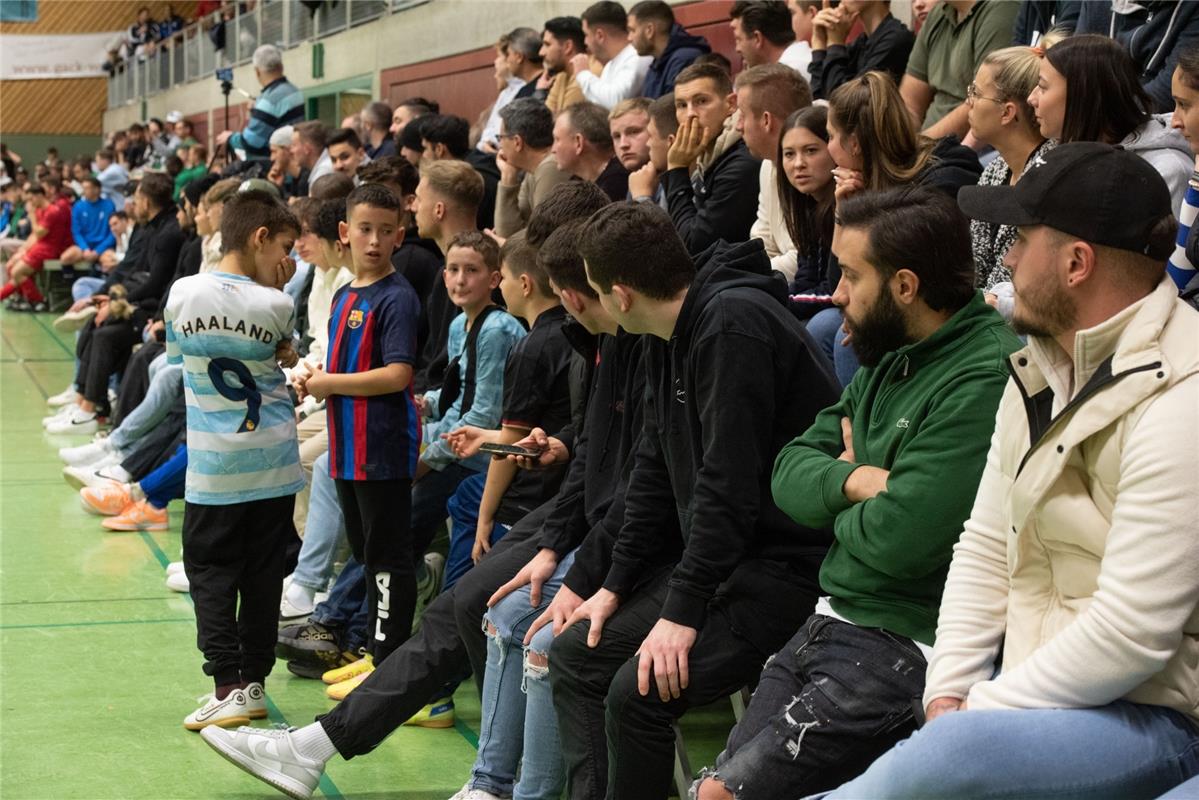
[
  {"x": 708, "y": 165},
  {"x": 730, "y": 376},
  {"x": 653, "y": 32}
]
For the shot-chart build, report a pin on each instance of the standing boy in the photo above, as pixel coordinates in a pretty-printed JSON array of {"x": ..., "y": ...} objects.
[
  {"x": 374, "y": 438},
  {"x": 226, "y": 329}
]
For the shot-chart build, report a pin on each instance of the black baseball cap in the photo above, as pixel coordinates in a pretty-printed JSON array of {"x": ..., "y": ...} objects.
[{"x": 1102, "y": 194}]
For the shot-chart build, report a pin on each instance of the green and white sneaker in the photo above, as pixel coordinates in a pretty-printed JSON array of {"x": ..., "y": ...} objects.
[{"x": 270, "y": 755}]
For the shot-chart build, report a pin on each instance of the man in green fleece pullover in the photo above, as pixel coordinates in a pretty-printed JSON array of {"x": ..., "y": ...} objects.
[{"x": 893, "y": 467}]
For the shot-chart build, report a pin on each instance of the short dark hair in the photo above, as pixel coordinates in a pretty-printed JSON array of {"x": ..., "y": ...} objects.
[
  {"x": 564, "y": 203},
  {"x": 920, "y": 229},
  {"x": 421, "y": 104},
  {"x": 312, "y": 131},
  {"x": 334, "y": 186},
  {"x": 717, "y": 59},
  {"x": 521, "y": 259},
  {"x": 653, "y": 11},
  {"x": 606, "y": 12},
  {"x": 327, "y": 220},
  {"x": 391, "y": 169},
  {"x": 158, "y": 188},
  {"x": 559, "y": 257},
  {"x": 447, "y": 129},
  {"x": 1105, "y": 100},
  {"x": 105, "y": 154},
  {"x": 661, "y": 111},
  {"x": 771, "y": 18},
  {"x": 714, "y": 73},
  {"x": 306, "y": 210},
  {"x": 376, "y": 195},
  {"x": 410, "y": 137},
  {"x": 344, "y": 136},
  {"x": 248, "y": 211},
  {"x": 92, "y": 179},
  {"x": 591, "y": 120},
  {"x": 662, "y": 267},
  {"x": 378, "y": 114},
  {"x": 481, "y": 243},
  {"x": 567, "y": 28},
  {"x": 527, "y": 42},
  {"x": 530, "y": 120}
]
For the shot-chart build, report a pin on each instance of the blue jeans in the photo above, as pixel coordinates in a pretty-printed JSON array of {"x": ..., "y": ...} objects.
[
  {"x": 1122, "y": 751},
  {"x": 167, "y": 483},
  {"x": 463, "y": 508},
  {"x": 825, "y": 328},
  {"x": 517, "y": 698},
  {"x": 324, "y": 530},
  {"x": 346, "y": 608},
  {"x": 166, "y": 383},
  {"x": 84, "y": 287},
  {"x": 1185, "y": 791}
]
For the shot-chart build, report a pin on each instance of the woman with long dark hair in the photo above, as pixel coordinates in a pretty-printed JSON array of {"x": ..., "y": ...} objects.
[
  {"x": 1089, "y": 90},
  {"x": 1185, "y": 90},
  {"x": 805, "y": 190}
]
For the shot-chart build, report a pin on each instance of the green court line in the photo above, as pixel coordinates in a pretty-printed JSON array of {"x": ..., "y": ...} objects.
[
  {"x": 38, "y": 319},
  {"x": 470, "y": 736},
  {"x": 326, "y": 785},
  {"x": 92, "y": 624},
  {"x": 34, "y": 360},
  {"x": 18, "y": 603}
]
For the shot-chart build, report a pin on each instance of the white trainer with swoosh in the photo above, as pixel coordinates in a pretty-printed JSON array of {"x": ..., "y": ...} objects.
[
  {"x": 270, "y": 755},
  {"x": 227, "y": 713}
]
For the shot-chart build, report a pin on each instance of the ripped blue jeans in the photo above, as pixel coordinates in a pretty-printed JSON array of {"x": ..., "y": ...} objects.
[
  {"x": 519, "y": 728},
  {"x": 830, "y": 702}
]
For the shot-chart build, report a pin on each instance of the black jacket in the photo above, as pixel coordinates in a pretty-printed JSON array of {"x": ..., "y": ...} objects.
[
  {"x": 1037, "y": 17},
  {"x": 723, "y": 205},
  {"x": 886, "y": 50},
  {"x": 1154, "y": 36},
  {"x": 681, "y": 50},
  {"x": 954, "y": 166},
  {"x": 739, "y": 378},
  {"x": 419, "y": 260},
  {"x": 484, "y": 164},
  {"x": 148, "y": 273}
]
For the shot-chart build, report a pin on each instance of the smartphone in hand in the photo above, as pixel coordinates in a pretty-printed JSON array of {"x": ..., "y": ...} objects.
[{"x": 502, "y": 450}]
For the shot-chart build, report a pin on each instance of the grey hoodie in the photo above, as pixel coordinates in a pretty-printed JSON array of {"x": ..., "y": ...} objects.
[{"x": 1168, "y": 152}]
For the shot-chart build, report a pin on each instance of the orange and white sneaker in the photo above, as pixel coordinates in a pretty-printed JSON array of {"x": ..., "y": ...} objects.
[
  {"x": 138, "y": 516},
  {"x": 107, "y": 499}
]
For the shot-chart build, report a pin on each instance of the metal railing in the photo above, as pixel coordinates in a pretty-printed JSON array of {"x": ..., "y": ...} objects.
[{"x": 192, "y": 54}]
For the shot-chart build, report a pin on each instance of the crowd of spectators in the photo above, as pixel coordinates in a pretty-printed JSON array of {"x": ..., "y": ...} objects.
[{"x": 866, "y": 377}]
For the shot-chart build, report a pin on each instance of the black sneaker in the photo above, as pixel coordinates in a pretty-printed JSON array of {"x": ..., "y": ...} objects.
[
  {"x": 311, "y": 637},
  {"x": 314, "y": 664}
]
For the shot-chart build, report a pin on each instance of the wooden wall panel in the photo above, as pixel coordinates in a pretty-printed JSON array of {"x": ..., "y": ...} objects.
[
  {"x": 67, "y": 106},
  {"x": 92, "y": 16}
]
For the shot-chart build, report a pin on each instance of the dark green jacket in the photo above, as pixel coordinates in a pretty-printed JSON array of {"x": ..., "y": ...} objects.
[{"x": 926, "y": 414}]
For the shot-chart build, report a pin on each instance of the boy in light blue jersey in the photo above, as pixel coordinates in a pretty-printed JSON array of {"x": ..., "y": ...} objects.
[{"x": 230, "y": 329}]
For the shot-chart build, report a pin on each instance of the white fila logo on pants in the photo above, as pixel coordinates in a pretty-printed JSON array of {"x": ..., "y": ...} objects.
[{"x": 383, "y": 607}]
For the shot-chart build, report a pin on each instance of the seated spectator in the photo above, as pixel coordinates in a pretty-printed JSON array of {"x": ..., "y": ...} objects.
[
  {"x": 184, "y": 131},
  {"x": 163, "y": 141},
  {"x": 508, "y": 86},
  {"x": 628, "y": 123},
  {"x": 955, "y": 38},
  {"x": 114, "y": 178},
  {"x": 884, "y": 44},
  {"x": 80, "y": 168},
  {"x": 1001, "y": 117},
  {"x": 121, "y": 228},
  {"x": 1089, "y": 91},
  {"x": 526, "y": 142},
  {"x": 137, "y": 153},
  {"x": 345, "y": 152},
  {"x": 621, "y": 72},
  {"x": 1070, "y": 603},
  {"x": 763, "y": 34},
  {"x": 170, "y": 24},
  {"x": 50, "y": 236},
  {"x": 652, "y": 643},
  {"x": 376, "y": 119},
  {"x": 583, "y": 148},
  {"x": 445, "y": 136},
  {"x": 410, "y": 141},
  {"x": 1038, "y": 17},
  {"x": 805, "y": 187},
  {"x": 285, "y": 170},
  {"x": 11, "y": 208},
  {"x": 766, "y": 96},
  {"x": 309, "y": 152},
  {"x": 408, "y": 110},
  {"x": 646, "y": 183},
  {"x": 279, "y": 103},
  {"x": 708, "y": 165},
  {"x": 89, "y": 226},
  {"x": 654, "y": 32},
  {"x": 1185, "y": 89},
  {"x": 876, "y": 146},
  {"x": 523, "y": 58},
  {"x": 896, "y": 510},
  {"x": 1153, "y": 33},
  {"x": 561, "y": 41},
  {"x": 195, "y": 165}
]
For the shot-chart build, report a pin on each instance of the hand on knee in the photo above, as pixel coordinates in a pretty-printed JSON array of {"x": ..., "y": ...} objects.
[{"x": 713, "y": 789}]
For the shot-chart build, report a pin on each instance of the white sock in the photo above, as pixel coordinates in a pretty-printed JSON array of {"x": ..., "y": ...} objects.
[
  {"x": 312, "y": 742},
  {"x": 301, "y": 596},
  {"x": 135, "y": 492}
]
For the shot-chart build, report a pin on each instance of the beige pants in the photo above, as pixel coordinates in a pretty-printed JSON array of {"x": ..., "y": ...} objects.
[{"x": 314, "y": 440}]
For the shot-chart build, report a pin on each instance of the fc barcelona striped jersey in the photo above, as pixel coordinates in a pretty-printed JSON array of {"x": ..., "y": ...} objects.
[
  {"x": 241, "y": 426},
  {"x": 373, "y": 438}
]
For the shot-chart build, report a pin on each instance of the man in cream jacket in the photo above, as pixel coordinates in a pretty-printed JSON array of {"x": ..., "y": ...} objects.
[{"x": 1080, "y": 560}]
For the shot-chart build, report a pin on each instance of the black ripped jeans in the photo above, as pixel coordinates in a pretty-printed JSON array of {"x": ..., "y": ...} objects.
[{"x": 829, "y": 703}]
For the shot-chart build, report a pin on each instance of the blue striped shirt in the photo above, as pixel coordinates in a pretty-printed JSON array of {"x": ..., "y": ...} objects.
[
  {"x": 280, "y": 104},
  {"x": 241, "y": 427}
]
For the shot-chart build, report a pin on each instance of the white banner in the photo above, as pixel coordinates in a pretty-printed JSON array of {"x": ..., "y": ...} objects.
[{"x": 78, "y": 55}]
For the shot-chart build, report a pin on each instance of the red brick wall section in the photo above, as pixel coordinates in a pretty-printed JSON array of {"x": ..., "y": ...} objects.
[{"x": 464, "y": 84}]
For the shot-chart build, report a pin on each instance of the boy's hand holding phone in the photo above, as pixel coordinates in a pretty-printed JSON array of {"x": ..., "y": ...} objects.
[{"x": 551, "y": 451}]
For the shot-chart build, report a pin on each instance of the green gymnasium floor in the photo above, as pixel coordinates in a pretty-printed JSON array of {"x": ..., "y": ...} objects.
[{"x": 98, "y": 664}]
